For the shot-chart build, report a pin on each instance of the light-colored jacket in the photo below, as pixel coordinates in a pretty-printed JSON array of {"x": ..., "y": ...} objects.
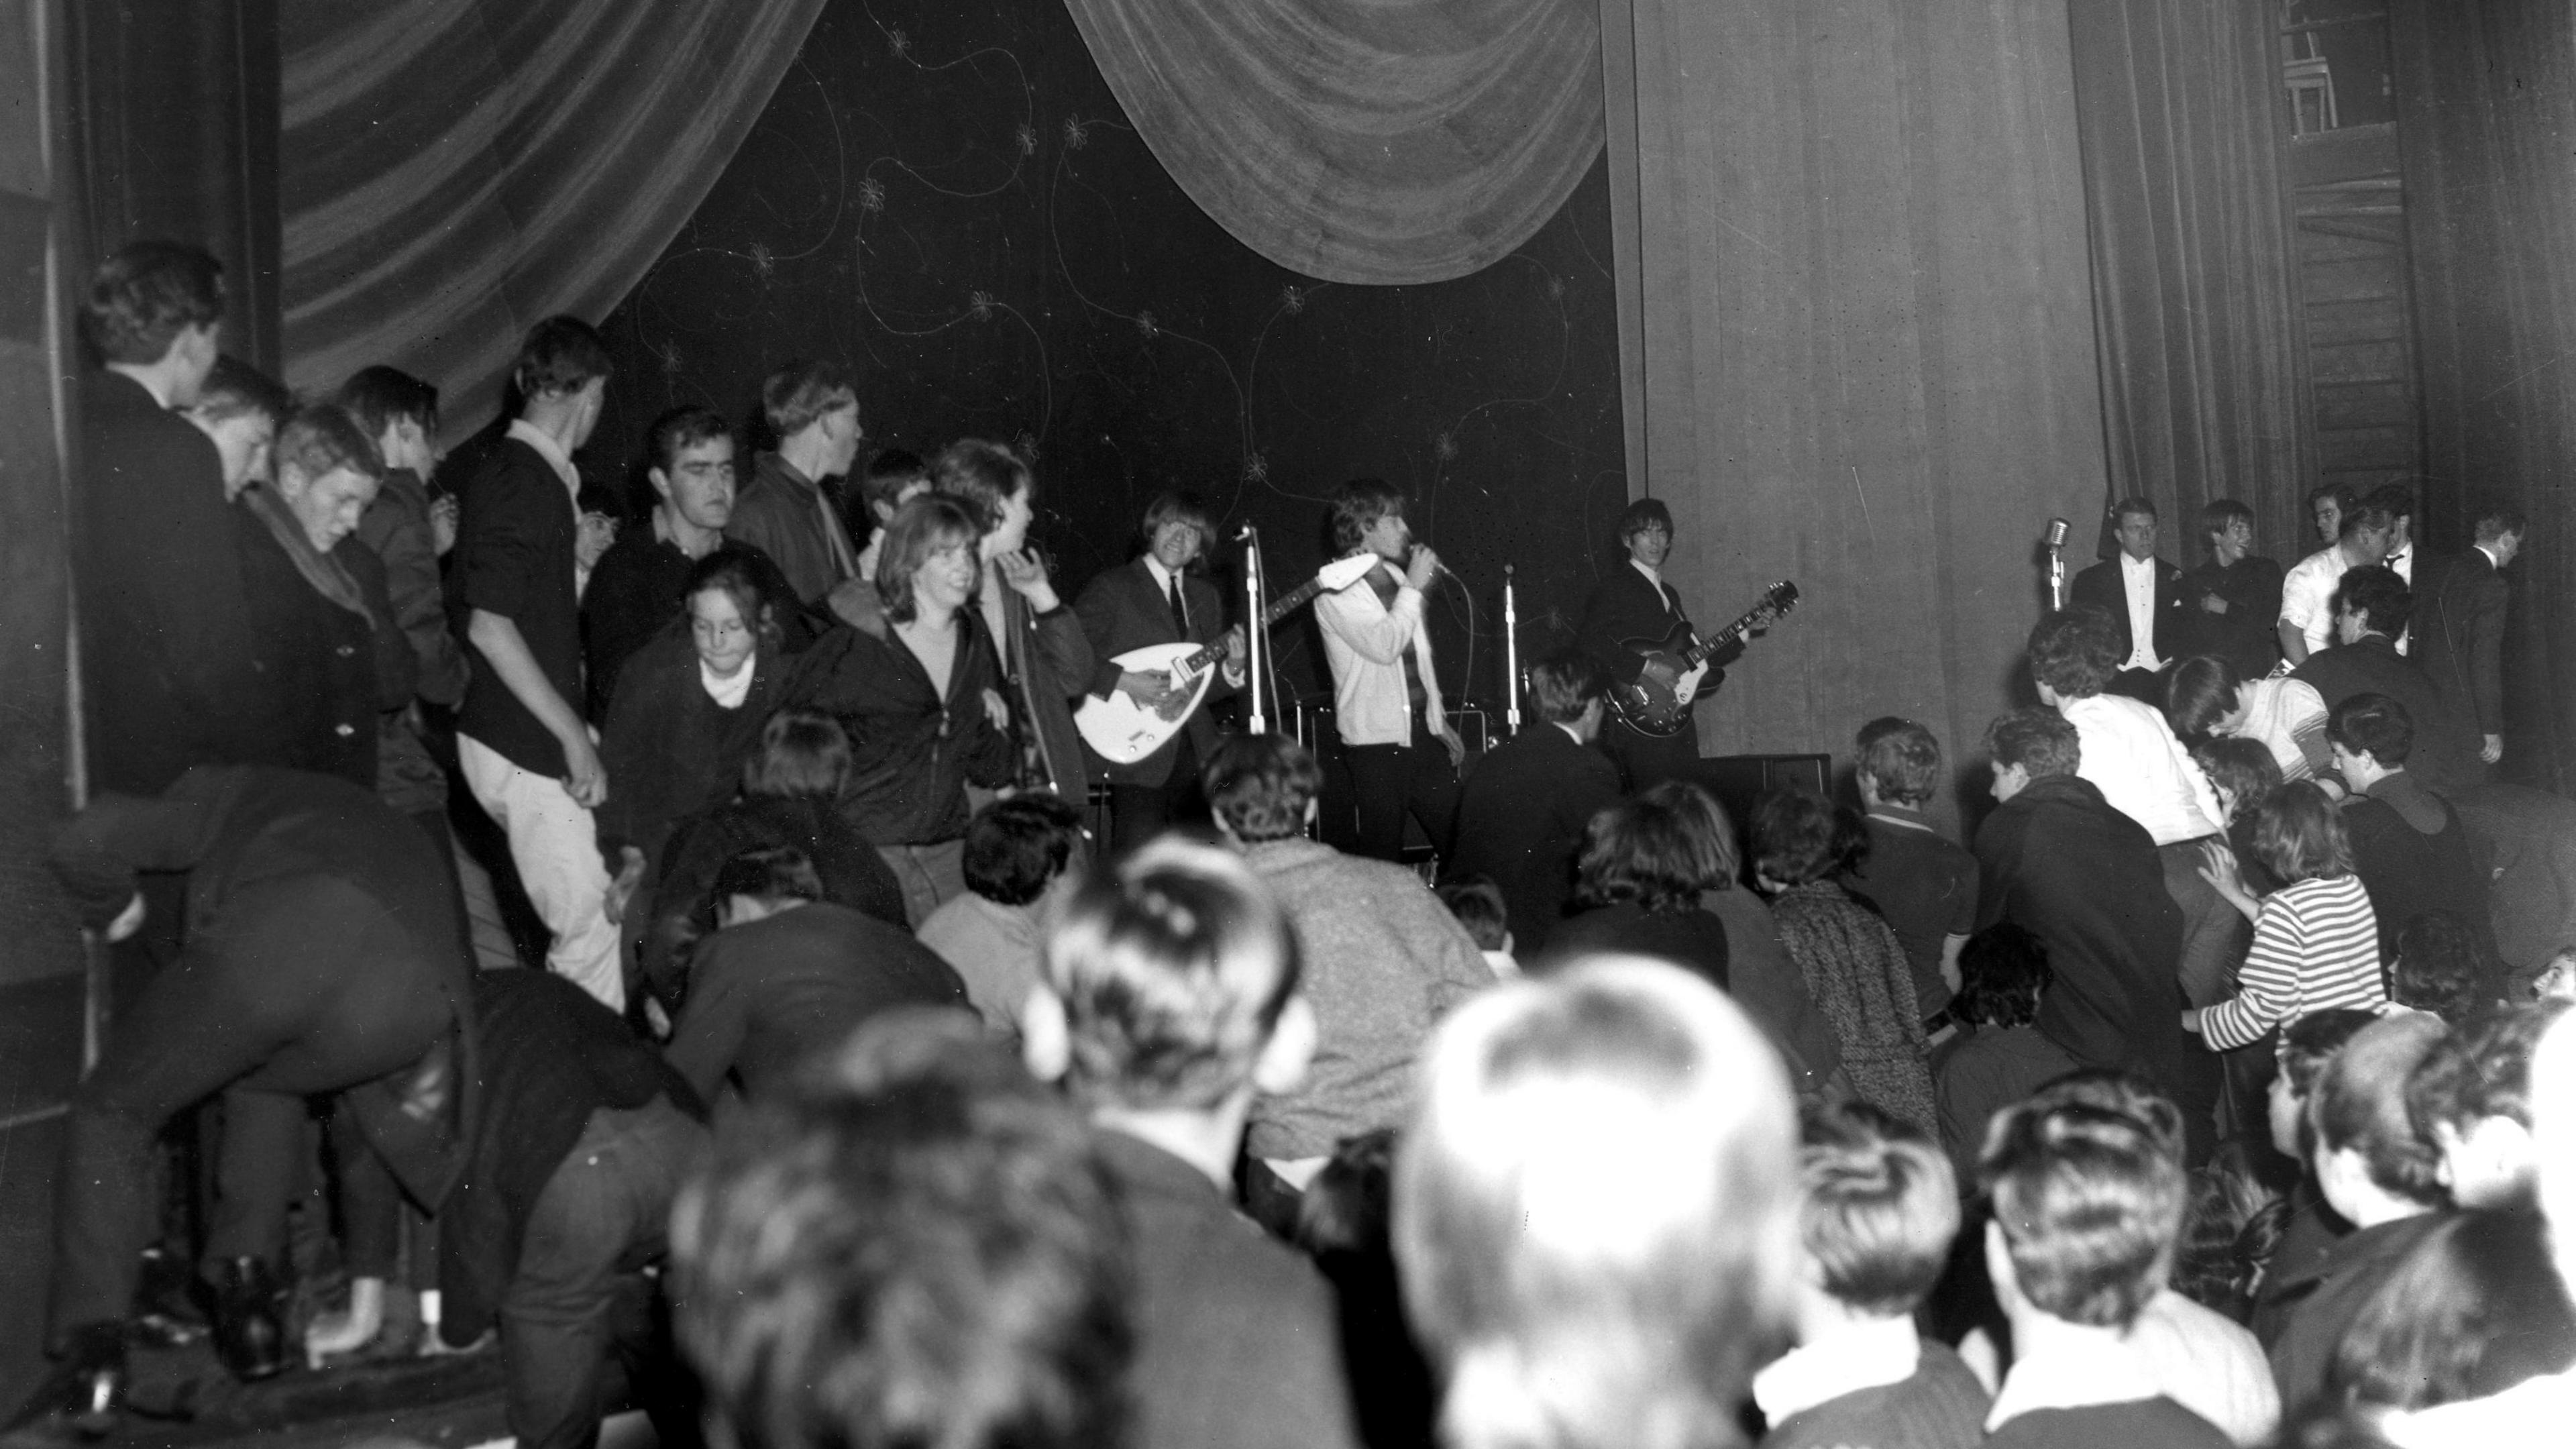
[{"x": 1364, "y": 641}]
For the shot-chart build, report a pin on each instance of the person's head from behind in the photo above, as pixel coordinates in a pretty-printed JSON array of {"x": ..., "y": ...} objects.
[
  {"x": 929, "y": 559},
  {"x": 2371, "y": 735},
  {"x": 891, "y": 478},
  {"x": 1900, "y": 763},
  {"x": 804, "y": 754},
  {"x": 2471, "y": 1098},
  {"x": 2472, "y": 1310},
  {"x": 1644, "y": 851},
  {"x": 399, "y": 411},
  {"x": 2074, "y": 653},
  {"x": 2229, "y": 527},
  {"x": 1878, "y": 1209},
  {"x": 1017, "y": 848},
  {"x": 2003, "y": 970},
  {"x": 2440, "y": 968},
  {"x": 1368, "y": 514},
  {"x": 1704, "y": 821},
  {"x": 2240, "y": 771},
  {"x": 2371, "y": 600},
  {"x": 1261, "y": 787},
  {"x": 755, "y": 884},
  {"x": 242, "y": 408},
  {"x": 911, "y": 1245},
  {"x": 691, "y": 467},
  {"x": 2299, "y": 834},
  {"x": 997, "y": 483},
  {"x": 328, "y": 472},
  {"x": 730, "y": 621},
  {"x": 2307, "y": 1045},
  {"x": 2327, "y": 505},
  {"x": 2088, "y": 1207},
  {"x": 1169, "y": 985},
  {"x": 1569, "y": 689},
  {"x": 2113, "y": 1089},
  {"x": 158, "y": 302},
  {"x": 1176, "y": 529},
  {"x": 562, "y": 377},
  {"x": 1477, "y": 903},
  {"x": 1800, "y": 836},
  {"x": 2371, "y": 1163},
  {"x": 813, "y": 410},
  {"x": 2027, "y": 744},
  {"x": 2500, "y": 529},
  {"x": 1596, "y": 1211}
]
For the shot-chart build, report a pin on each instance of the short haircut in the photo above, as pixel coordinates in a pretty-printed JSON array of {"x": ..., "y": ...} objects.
[
  {"x": 2440, "y": 968},
  {"x": 2036, "y": 738},
  {"x": 682, "y": 428},
  {"x": 323, "y": 438},
  {"x": 1565, "y": 684},
  {"x": 804, "y": 754},
  {"x": 2378, "y": 595},
  {"x": 2311, "y": 1041},
  {"x": 1015, "y": 846},
  {"x": 2473, "y": 1309},
  {"x": 1176, "y": 506},
  {"x": 2359, "y": 1106},
  {"x": 234, "y": 389},
  {"x": 1173, "y": 967},
  {"x": 560, "y": 355},
  {"x": 2132, "y": 506},
  {"x": 794, "y": 397},
  {"x": 1900, "y": 759},
  {"x": 2218, "y": 513},
  {"x": 1799, "y": 836},
  {"x": 2481, "y": 1069},
  {"x": 2499, "y": 520},
  {"x": 729, "y": 569},
  {"x": 1595, "y": 1210},
  {"x": 2374, "y": 725},
  {"x": 984, "y": 475},
  {"x": 2299, "y": 834},
  {"x": 1260, "y": 786},
  {"x": 912, "y": 1244},
  {"x": 2090, "y": 1204},
  {"x": 2365, "y": 514},
  {"x": 2343, "y": 494},
  {"x": 1705, "y": 819},
  {"x": 887, "y": 474},
  {"x": 1644, "y": 514},
  {"x": 142, "y": 298},
  {"x": 2199, "y": 693},
  {"x": 2395, "y": 499},
  {"x": 1357, "y": 506},
  {"x": 2075, "y": 652},
  {"x": 2117, "y": 1089},
  {"x": 926, "y": 525},
  {"x": 1478, "y": 904},
  {"x": 769, "y": 873},
  {"x": 1880, "y": 1207},
  {"x": 2002, "y": 971},
  {"x": 380, "y": 396},
  {"x": 1643, "y": 851},
  {"x": 2243, "y": 768}
]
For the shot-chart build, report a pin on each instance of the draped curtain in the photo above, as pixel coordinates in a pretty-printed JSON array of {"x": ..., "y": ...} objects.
[
  {"x": 454, "y": 170},
  {"x": 1373, "y": 141},
  {"x": 2204, "y": 363}
]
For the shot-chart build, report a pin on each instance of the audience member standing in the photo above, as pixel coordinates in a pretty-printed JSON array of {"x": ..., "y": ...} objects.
[
  {"x": 1039, "y": 646},
  {"x": 784, "y": 512},
  {"x": 1925, "y": 886},
  {"x": 524, "y": 749},
  {"x": 1524, "y": 807},
  {"x": 2409, "y": 847},
  {"x": 2370, "y": 611},
  {"x": 2142, "y": 595},
  {"x": 2316, "y": 941},
  {"x": 2231, "y": 602},
  {"x": 2458, "y": 627},
  {"x": 1403, "y": 755},
  {"x": 2308, "y": 591},
  {"x": 1998, "y": 1057}
]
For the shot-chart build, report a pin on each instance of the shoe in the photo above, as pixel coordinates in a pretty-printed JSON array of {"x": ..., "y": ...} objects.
[
  {"x": 163, "y": 1315},
  {"x": 248, "y": 1310},
  {"x": 87, "y": 1389}
]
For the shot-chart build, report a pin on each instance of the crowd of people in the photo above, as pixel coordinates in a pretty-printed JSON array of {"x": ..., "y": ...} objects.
[{"x": 882, "y": 1082}]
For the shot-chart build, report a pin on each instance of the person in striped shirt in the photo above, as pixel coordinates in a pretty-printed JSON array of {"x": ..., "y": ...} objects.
[{"x": 2316, "y": 941}]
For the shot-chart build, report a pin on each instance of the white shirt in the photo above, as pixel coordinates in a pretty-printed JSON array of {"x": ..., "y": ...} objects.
[
  {"x": 2131, "y": 756},
  {"x": 2403, "y": 563},
  {"x": 2289, "y": 717},
  {"x": 1851, "y": 1358},
  {"x": 728, "y": 693},
  {"x": 2138, "y": 578},
  {"x": 1656, "y": 578},
  {"x": 2209, "y": 1364},
  {"x": 1163, "y": 582},
  {"x": 2307, "y": 595},
  {"x": 2077, "y": 1372},
  {"x": 1364, "y": 642}
]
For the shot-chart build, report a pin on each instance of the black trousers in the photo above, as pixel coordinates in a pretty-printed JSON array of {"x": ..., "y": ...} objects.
[
  {"x": 1393, "y": 781},
  {"x": 1138, "y": 813}
]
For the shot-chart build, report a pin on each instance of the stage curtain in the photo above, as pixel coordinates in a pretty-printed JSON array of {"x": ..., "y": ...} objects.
[
  {"x": 454, "y": 170},
  {"x": 1855, "y": 284},
  {"x": 2195, "y": 286},
  {"x": 1375, "y": 141},
  {"x": 2486, "y": 103}
]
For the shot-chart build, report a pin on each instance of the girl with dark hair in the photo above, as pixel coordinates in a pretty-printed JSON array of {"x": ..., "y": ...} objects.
[
  {"x": 2205, "y": 699},
  {"x": 1638, "y": 882},
  {"x": 2316, "y": 941}
]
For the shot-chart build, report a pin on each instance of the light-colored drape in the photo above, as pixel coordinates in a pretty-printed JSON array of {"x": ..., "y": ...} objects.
[{"x": 1375, "y": 141}]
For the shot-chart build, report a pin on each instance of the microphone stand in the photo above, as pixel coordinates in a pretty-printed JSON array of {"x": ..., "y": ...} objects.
[
  {"x": 1254, "y": 636},
  {"x": 1511, "y": 656}
]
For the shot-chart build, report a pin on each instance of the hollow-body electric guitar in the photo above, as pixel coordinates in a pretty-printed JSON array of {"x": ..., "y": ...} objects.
[
  {"x": 1123, "y": 731},
  {"x": 1659, "y": 702}
]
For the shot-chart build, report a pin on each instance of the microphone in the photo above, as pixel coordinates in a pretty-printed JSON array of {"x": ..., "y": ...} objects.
[
  {"x": 2057, "y": 533},
  {"x": 1245, "y": 534},
  {"x": 2056, "y": 564}
]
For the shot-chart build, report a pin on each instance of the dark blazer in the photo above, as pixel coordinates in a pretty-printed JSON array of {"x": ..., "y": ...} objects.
[
  {"x": 2445, "y": 757},
  {"x": 1122, "y": 610},
  {"x": 169, "y": 652},
  {"x": 1048, "y": 663},
  {"x": 671, "y": 751},
  {"x": 514, "y": 557},
  {"x": 781, "y": 513},
  {"x": 2457, "y": 635},
  {"x": 2326, "y": 1297},
  {"x": 2100, "y": 586},
  {"x": 396, "y": 528},
  {"x": 2246, "y": 635},
  {"x": 331, "y": 670},
  {"x": 2408, "y": 869},
  {"x": 1624, "y": 606},
  {"x": 1521, "y": 816},
  {"x": 634, "y": 594}
]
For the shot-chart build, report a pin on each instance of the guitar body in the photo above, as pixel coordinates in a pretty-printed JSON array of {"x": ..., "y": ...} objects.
[
  {"x": 1123, "y": 731},
  {"x": 1656, "y": 704}
]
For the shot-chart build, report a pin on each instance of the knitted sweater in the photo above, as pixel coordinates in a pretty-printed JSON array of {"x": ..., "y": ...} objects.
[
  {"x": 1857, "y": 971},
  {"x": 2316, "y": 946}
]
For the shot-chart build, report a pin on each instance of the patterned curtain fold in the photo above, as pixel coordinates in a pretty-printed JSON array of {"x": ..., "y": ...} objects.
[
  {"x": 453, "y": 170},
  {"x": 1370, "y": 141}
]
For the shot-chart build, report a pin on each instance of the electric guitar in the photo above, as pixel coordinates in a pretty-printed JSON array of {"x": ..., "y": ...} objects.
[
  {"x": 1122, "y": 731},
  {"x": 1659, "y": 702}
]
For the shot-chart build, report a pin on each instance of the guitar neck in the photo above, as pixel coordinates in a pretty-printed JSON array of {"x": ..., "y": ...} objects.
[
  {"x": 1691, "y": 658},
  {"x": 1279, "y": 609}
]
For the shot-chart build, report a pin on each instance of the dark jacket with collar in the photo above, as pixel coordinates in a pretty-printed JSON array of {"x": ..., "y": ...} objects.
[
  {"x": 912, "y": 752},
  {"x": 2445, "y": 757},
  {"x": 1521, "y": 816},
  {"x": 2245, "y": 635},
  {"x": 784, "y": 514},
  {"x": 333, "y": 669},
  {"x": 2409, "y": 868},
  {"x": 1625, "y": 607},
  {"x": 634, "y": 594},
  {"x": 2326, "y": 1295},
  {"x": 396, "y": 528},
  {"x": 2102, "y": 587},
  {"x": 1047, "y": 663},
  {"x": 1124, "y": 609},
  {"x": 2457, "y": 634},
  {"x": 669, "y": 748}
]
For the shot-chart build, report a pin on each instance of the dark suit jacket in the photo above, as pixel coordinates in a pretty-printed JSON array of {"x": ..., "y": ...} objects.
[
  {"x": 331, "y": 670},
  {"x": 2457, "y": 635},
  {"x": 2245, "y": 636},
  {"x": 1520, "y": 820},
  {"x": 396, "y": 528},
  {"x": 1122, "y": 610},
  {"x": 514, "y": 557},
  {"x": 2445, "y": 757},
  {"x": 168, "y": 647},
  {"x": 2100, "y": 586},
  {"x": 1624, "y": 606}
]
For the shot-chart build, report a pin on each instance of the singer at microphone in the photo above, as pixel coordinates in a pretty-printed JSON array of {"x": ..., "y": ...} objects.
[{"x": 1403, "y": 755}]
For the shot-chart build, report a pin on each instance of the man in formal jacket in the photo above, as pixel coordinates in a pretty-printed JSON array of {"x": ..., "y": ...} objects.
[
  {"x": 2231, "y": 602},
  {"x": 2143, "y": 594},
  {"x": 784, "y": 511},
  {"x": 1154, "y": 598},
  {"x": 2458, "y": 628},
  {"x": 2371, "y": 608},
  {"x": 1522, "y": 812},
  {"x": 2058, "y": 860},
  {"x": 1632, "y": 602}
]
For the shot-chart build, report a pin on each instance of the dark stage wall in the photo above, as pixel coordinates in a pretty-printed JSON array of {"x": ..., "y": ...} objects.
[{"x": 948, "y": 197}]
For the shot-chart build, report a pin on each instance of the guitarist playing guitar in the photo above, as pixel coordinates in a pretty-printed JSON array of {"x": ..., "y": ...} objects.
[{"x": 1635, "y": 603}]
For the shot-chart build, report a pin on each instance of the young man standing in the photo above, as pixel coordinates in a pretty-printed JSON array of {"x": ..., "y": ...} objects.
[
  {"x": 2308, "y": 593},
  {"x": 1633, "y": 602},
  {"x": 1522, "y": 814},
  {"x": 524, "y": 750},
  {"x": 1925, "y": 886},
  {"x": 784, "y": 511},
  {"x": 2458, "y": 632},
  {"x": 1386, "y": 691},
  {"x": 2371, "y": 608},
  {"x": 2231, "y": 602},
  {"x": 2143, "y": 596}
]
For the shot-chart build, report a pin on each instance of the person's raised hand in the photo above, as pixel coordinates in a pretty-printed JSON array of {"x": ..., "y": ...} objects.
[
  {"x": 1424, "y": 564},
  {"x": 1027, "y": 577}
]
